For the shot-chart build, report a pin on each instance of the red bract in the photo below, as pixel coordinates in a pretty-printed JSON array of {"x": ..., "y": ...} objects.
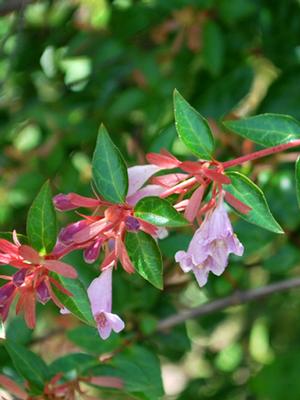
[
  {"x": 196, "y": 178},
  {"x": 32, "y": 282}
]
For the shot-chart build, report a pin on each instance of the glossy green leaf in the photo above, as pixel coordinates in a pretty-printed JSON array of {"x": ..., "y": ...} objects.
[
  {"x": 78, "y": 304},
  {"x": 266, "y": 129},
  {"x": 41, "y": 221},
  {"x": 140, "y": 370},
  {"x": 192, "y": 128},
  {"x": 145, "y": 256},
  {"x": 250, "y": 194},
  {"x": 298, "y": 179},
  {"x": 158, "y": 212},
  {"x": 109, "y": 169},
  {"x": 28, "y": 364}
]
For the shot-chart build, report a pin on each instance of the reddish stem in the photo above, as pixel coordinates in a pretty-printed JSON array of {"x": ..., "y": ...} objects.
[{"x": 260, "y": 153}]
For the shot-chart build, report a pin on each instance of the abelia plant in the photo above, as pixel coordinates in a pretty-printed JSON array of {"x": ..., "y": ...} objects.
[{"x": 131, "y": 210}]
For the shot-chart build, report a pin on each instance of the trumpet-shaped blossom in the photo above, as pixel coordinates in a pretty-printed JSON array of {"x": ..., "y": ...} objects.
[
  {"x": 211, "y": 245},
  {"x": 100, "y": 296}
]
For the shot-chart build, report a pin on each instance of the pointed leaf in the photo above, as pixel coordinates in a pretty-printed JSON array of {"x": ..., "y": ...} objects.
[
  {"x": 28, "y": 364},
  {"x": 145, "y": 256},
  {"x": 109, "y": 169},
  {"x": 246, "y": 191},
  {"x": 78, "y": 304},
  {"x": 266, "y": 129},
  {"x": 41, "y": 221},
  {"x": 158, "y": 212},
  {"x": 192, "y": 128},
  {"x": 298, "y": 179}
]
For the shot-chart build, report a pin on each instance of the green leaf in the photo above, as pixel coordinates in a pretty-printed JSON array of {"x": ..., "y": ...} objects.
[
  {"x": 140, "y": 370},
  {"x": 41, "y": 221},
  {"x": 78, "y": 304},
  {"x": 192, "y": 128},
  {"x": 158, "y": 212},
  {"x": 73, "y": 364},
  {"x": 298, "y": 179},
  {"x": 109, "y": 169},
  {"x": 87, "y": 338},
  {"x": 266, "y": 129},
  {"x": 28, "y": 364},
  {"x": 250, "y": 194},
  {"x": 145, "y": 256}
]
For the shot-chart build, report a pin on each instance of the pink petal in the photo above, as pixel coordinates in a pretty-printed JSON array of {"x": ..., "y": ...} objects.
[
  {"x": 83, "y": 201},
  {"x": 149, "y": 190},
  {"x": 107, "y": 381},
  {"x": 29, "y": 254},
  {"x": 104, "y": 331},
  {"x": 164, "y": 161},
  {"x": 216, "y": 176},
  {"x": 7, "y": 247},
  {"x": 100, "y": 292},
  {"x": 169, "y": 180},
  {"x": 138, "y": 176},
  {"x": 12, "y": 387},
  {"x": 124, "y": 258},
  {"x": 201, "y": 275},
  {"x": 236, "y": 203},
  {"x": 115, "y": 322},
  {"x": 90, "y": 231},
  {"x": 194, "y": 204},
  {"x": 61, "y": 268}
]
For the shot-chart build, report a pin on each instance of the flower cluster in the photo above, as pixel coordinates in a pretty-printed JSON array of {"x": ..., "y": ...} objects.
[{"x": 101, "y": 233}]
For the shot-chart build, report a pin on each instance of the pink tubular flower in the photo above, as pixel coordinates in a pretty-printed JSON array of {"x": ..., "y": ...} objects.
[
  {"x": 210, "y": 247},
  {"x": 109, "y": 222},
  {"x": 100, "y": 295}
]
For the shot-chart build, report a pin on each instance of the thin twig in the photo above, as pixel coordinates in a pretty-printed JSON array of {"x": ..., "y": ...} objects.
[{"x": 235, "y": 299}]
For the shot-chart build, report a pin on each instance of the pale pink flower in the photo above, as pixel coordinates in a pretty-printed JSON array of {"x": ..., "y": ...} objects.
[
  {"x": 210, "y": 246},
  {"x": 100, "y": 295},
  {"x": 137, "y": 177}
]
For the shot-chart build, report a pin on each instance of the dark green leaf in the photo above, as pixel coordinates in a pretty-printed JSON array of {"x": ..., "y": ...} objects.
[
  {"x": 78, "y": 304},
  {"x": 145, "y": 256},
  {"x": 266, "y": 129},
  {"x": 298, "y": 179},
  {"x": 28, "y": 364},
  {"x": 74, "y": 364},
  {"x": 109, "y": 169},
  {"x": 141, "y": 373},
  {"x": 87, "y": 338},
  {"x": 41, "y": 221},
  {"x": 158, "y": 212},
  {"x": 250, "y": 194},
  {"x": 192, "y": 128}
]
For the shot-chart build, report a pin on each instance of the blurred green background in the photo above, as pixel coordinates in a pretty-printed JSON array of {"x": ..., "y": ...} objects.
[{"x": 66, "y": 66}]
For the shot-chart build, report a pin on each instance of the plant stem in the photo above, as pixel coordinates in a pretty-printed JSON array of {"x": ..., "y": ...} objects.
[
  {"x": 236, "y": 298},
  {"x": 260, "y": 154}
]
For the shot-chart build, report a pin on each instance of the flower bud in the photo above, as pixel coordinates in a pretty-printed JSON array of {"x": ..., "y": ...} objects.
[
  {"x": 42, "y": 293},
  {"x": 6, "y": 291},
  {"x": 91, "y": 253},
  {"x": 67, "y": 233},
  {"x": 62, "y": 202},
  {"x": 19, "y": 277},
  {"x": 132, "y": 224}
]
